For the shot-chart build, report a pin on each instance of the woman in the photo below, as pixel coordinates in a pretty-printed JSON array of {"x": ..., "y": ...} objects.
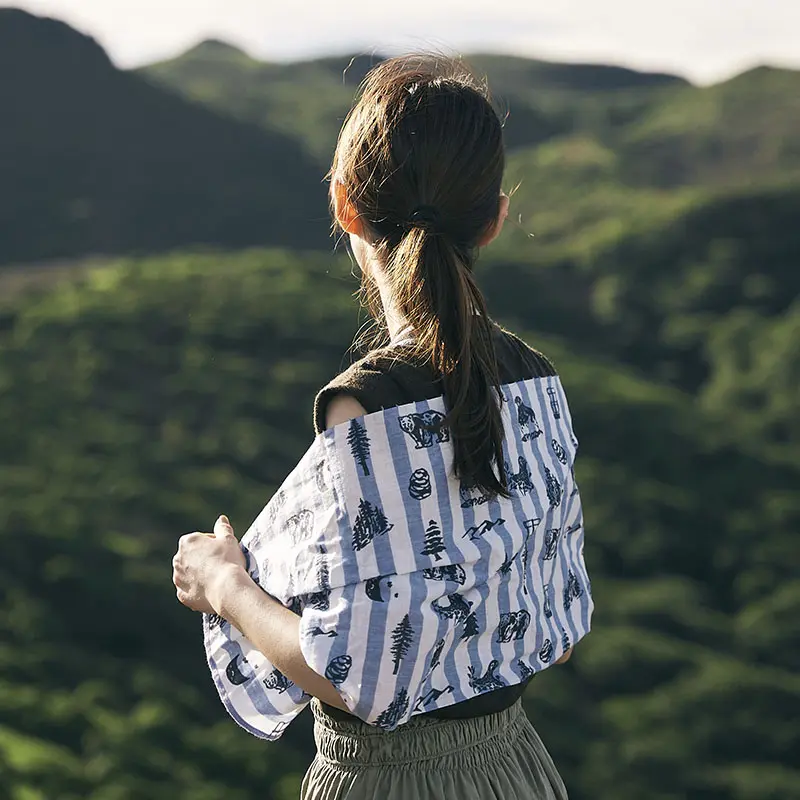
[{"x": 416, "y": 187}]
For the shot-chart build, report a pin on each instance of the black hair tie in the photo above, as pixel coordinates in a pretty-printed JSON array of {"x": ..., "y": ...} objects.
[{"x": 426, "y": 217}]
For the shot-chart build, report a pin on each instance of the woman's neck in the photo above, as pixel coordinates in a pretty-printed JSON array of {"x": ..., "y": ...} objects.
[{"x": 396, "y": 323}]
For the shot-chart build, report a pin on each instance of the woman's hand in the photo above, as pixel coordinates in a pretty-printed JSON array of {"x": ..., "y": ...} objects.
[{"x": 203, "y": 561}]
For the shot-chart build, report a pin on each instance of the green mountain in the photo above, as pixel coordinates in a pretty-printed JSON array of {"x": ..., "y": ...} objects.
[
  {"x": 95, "y": 160},
  {"x": 155, "y": 395}
]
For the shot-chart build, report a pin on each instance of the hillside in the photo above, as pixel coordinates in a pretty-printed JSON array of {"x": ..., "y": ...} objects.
[
  {"x": 157, "y": 394},
  {"x": 95, "y": 160}
]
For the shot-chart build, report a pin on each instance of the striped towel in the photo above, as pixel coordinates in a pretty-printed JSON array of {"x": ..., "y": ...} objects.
[{"x": 414, "y": 591}]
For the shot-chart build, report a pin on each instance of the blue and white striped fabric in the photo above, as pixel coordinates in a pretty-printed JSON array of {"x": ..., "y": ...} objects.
[{"x": 414, "y": 591}]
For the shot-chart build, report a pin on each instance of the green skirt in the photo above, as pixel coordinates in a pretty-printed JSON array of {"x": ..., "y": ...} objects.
[{"x": 496, "y": 756}]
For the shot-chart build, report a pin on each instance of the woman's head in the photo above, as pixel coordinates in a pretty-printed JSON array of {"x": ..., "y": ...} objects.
[{"x": 416, "y": 181}]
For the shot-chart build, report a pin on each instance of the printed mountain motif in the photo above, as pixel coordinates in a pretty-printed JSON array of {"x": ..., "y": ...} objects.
[
  {"x": 402, "y": 637},
  {"x": 527, "y": 419},
  {"x": 370, "y": 522},
  {"x": 548, "y": 611},
  {"x": 476, "y": 531},
  {"x": 359, "y": 445},
  {"x": 434, "y": 544},
  {"x": 431, "y": 696}
]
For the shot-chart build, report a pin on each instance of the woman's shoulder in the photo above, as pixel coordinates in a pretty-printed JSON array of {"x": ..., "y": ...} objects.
[{"x": 384, "y": 378}]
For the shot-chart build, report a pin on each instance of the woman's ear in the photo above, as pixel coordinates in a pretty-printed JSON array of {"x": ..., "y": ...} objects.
[
  {"x": 494, "y": 230},
  {"x": 346, "y": 215}
]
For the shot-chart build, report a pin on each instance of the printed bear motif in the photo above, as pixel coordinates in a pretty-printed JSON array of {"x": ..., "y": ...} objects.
[{"x": 423, "y": 427}]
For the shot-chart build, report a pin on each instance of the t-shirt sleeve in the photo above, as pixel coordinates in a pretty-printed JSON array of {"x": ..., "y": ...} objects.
[{"x": 368, "y": 381}]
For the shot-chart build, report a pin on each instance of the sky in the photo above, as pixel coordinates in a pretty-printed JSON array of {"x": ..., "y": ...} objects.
[{"x": 704, "y": 40}]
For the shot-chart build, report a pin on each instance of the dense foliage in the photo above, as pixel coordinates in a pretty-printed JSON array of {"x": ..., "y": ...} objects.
[{"x": 140, "y": 399}]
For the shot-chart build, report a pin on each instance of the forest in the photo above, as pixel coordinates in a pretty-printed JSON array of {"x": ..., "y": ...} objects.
[{"x": 171, "y": 300}]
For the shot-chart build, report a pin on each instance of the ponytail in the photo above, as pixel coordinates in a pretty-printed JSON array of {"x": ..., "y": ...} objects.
[
  {"x": 421, "y": 159},
  {"x": 432, "y": 283}
]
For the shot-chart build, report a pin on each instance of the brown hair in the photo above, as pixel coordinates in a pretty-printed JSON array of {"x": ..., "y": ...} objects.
[{"x": 421, "y": 160}]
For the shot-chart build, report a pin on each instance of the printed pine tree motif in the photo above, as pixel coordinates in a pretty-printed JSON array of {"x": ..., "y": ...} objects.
[
  {"x": 370, "y": 522},
  {"x": 395, "y": 711},
  {"x": 553, "y": 488},
  {"x": 434, "y": 544},
  {"x": 402, "y": 636},
  {"x": 359, "y": 445},
  {"x": 565, "y": 642},
  {"x": 470, "y": 626}
]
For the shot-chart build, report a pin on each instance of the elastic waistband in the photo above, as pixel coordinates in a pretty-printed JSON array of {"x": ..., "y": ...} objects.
[{"x": 453, "y": 744}]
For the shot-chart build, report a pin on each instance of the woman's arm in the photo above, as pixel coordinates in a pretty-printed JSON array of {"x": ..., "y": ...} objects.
[
  {"x": 272, "y": 628},
  {"x": 209, "y": 574}
]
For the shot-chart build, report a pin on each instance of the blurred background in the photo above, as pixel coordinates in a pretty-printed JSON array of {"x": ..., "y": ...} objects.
[{"x": 170, "y": 301}]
